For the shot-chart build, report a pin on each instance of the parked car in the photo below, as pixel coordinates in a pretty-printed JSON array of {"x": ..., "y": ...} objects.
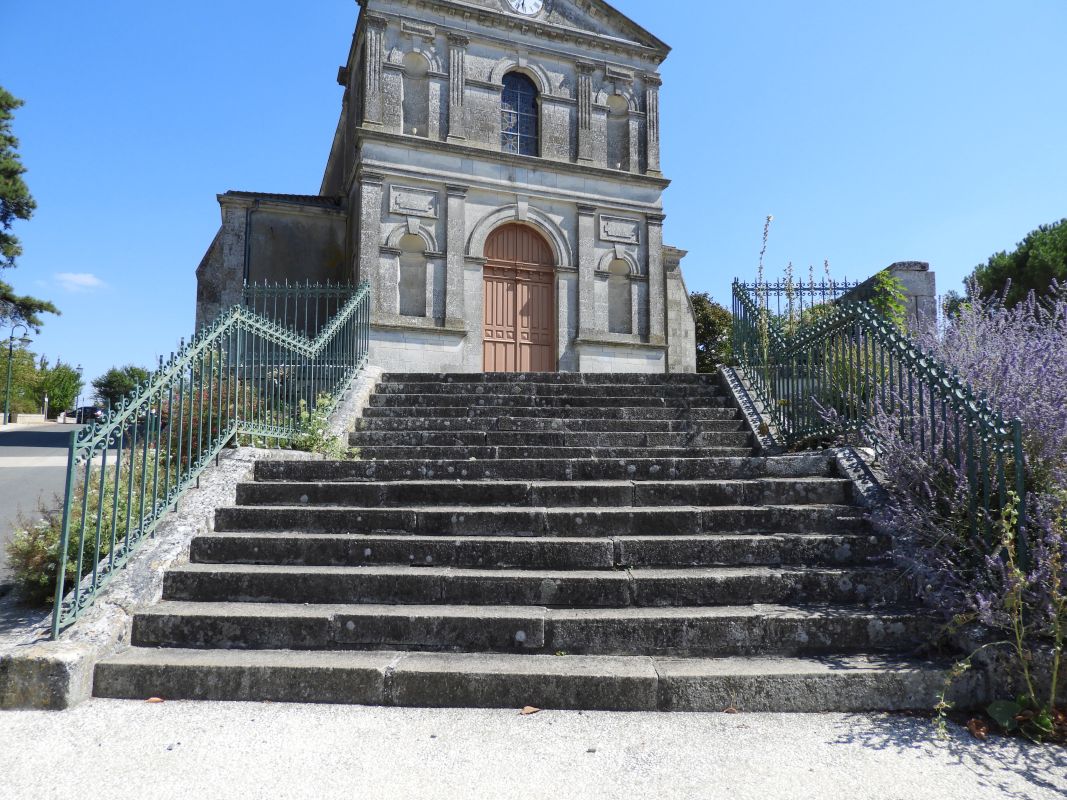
[{"x": 87, "y": 414}]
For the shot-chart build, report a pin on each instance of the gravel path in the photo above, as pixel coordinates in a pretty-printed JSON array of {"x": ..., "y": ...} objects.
[{"x": 119, "y": 749}]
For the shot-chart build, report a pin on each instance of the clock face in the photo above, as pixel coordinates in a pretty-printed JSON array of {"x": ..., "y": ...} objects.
[{"x": 528, "y": 7}]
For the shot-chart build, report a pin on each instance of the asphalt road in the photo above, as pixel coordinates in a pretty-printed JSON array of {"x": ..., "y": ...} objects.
[
  {"x": 32, "y": 470},
  {"x": 126, "y": 749}
]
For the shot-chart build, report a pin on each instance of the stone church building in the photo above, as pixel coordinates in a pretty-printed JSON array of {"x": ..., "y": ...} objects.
[{"x": 495, "y": 177}]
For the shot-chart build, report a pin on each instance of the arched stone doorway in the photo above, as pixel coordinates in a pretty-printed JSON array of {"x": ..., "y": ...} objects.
[{"x": 520, "y": 303}]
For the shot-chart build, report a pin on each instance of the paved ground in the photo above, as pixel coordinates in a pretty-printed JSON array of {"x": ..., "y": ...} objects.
[
  {"x": 32, "y": 467},
  {"x": 119, "y": 749}
]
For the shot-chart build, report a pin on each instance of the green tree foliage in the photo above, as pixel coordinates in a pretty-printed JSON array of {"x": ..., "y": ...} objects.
[
  {"x": 714, "y": 332},
  {"x": 23, "y": 380},
  {"x": 15, "y": 203},
  {"x": 61, "y": 383},
  {"x": 1036, "y": 262},
  {"x": 117, "y": 383},
  {"x": 889, "y": 298}
]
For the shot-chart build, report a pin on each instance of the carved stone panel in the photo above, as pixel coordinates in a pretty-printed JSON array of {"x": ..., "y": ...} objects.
[
  {"x": 620, "y": 229},
  {"x": 411, "y": 202}
]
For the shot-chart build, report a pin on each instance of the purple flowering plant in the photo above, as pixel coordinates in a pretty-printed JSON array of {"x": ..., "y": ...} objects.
[{"x": 965, "y": 564}]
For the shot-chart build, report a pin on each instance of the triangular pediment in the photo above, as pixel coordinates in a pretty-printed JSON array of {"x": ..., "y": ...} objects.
[{"x": 590, "y": 17}]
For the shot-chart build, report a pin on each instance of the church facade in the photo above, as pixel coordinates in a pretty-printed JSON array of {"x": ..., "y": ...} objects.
[{"x": 495, "y": 176}]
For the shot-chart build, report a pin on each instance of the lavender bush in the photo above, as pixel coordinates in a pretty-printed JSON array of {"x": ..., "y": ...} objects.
[{"x": 1018, "y": 358}]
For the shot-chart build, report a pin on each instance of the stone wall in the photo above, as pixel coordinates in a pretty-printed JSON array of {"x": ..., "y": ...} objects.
[
  {"x": 920, "y": 290},
  {"x": 271, "y": 238},
  {"x": 681, "y": 321}
]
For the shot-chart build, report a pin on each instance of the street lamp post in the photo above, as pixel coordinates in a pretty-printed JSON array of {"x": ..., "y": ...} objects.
[
  {"x": 78, "y": 399},
  {"x": 24, "y": 340}
]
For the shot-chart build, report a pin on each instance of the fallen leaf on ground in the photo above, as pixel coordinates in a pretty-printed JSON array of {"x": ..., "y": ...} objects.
[
  {"x": 154, "y": 700},
  {"x": 528, "y": 710},
  {"x": 979, "y": 728}
]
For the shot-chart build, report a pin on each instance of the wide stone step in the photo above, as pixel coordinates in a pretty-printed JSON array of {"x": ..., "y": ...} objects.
[
  {"x": 504, "y": 402},
  {"x": 613, "y": 683},
  {"x": 566, "y": 453},
  {"x": 699, "y": 631},
  {"x": 547, "y": 425},
  {"x": 549, "y": 439},
  {"x": 540, "y": 521},
  {"x": 570, "y": 378},
  {"x": 559, "y": 469},
  {"x": 541, "y": 389},
  {"x": 764, "y": 491},
  {"x": 544, "y": 553},
  {"x": 605, "y": 412},
  {"x": 560, "y": 588}
]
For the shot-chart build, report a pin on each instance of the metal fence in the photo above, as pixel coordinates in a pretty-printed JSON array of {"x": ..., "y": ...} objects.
[
  {"x": 246, "y": 374},
  {"x": 300, "y": 307},
  {"x": 832, "y": 371}
]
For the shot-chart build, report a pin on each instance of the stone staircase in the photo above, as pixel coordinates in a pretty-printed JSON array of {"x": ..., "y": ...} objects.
[{"x": 561, "y": 541}]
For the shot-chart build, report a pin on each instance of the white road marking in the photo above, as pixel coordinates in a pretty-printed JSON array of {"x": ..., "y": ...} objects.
[{"x": 25, "y": 462}]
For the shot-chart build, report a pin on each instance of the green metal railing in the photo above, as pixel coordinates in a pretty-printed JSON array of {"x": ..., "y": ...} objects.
[
  {"x": 829, "y": 371},
  {"x": 246, "y": 374},
  {"x": 301, "y": 307}
]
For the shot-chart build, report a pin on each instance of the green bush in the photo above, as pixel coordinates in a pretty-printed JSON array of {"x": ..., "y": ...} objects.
[
  {"x": 33, "y": 551},
  {"x": 315, "y": 436}
]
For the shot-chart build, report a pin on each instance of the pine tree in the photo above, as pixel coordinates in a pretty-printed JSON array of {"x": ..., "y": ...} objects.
[{"x": 16, "y": 203}]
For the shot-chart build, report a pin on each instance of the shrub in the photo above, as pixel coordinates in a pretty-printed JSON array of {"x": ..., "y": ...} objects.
[
  {"x": 1016, "y": 357},
  {"x": 33, "y": 551},
  {"x": 315, "y": 436}
]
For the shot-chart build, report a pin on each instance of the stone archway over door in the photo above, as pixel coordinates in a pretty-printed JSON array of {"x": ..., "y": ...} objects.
[{"x": 520, "y": 302}]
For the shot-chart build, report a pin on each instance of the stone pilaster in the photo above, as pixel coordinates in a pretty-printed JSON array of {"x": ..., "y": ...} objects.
[
  {"x": 586, "y": 270},
  {"x": 373, "y": 55},
  {"x": 457, "y": 87},
  {"x": 657, "y": 281},
  {"x": 585, "y": 111},
  {"x": 455, "y": 252},
  {"x": 652, "y": 84},
  {"x": 370, "y": 236}
]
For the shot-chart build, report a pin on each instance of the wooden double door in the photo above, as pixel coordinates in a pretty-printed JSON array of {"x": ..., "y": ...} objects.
[{"x": 520, "y": 302}]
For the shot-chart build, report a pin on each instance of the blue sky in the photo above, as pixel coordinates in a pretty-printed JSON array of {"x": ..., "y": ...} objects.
[{"x": 873, "y": 131}]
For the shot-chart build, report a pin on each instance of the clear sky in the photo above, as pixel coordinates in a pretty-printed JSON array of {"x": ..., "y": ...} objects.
[{"x": 873, "y": 130}]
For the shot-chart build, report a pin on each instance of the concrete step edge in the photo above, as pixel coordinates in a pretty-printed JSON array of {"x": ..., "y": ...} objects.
[{"x": 632, "y": 683}]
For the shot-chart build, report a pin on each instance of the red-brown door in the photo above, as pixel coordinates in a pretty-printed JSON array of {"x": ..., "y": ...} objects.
[{"x": 520, "y": 307}]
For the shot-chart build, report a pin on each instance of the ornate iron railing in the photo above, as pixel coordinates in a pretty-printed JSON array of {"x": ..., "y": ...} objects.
[
  {"x": 830, "y": 372},
  {"x": 244, "y": 375},
  {"x": 301, "y": 307}
]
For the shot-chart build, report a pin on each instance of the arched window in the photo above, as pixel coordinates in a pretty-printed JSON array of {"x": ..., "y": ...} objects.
[
  {"x": 620, "y": 298},
  {"x": 416, "y": 95},
  {"x": 519, "y": 125},
  {"x": 412, "y": 284},
  {"x": 618, "y": 133}
]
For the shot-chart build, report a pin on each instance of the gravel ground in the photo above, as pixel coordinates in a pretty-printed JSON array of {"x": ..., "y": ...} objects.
[{"x": 118, "y": 749}]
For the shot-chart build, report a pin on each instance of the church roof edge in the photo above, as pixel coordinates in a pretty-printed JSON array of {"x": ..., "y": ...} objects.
[{"x": 643, "y": 41}]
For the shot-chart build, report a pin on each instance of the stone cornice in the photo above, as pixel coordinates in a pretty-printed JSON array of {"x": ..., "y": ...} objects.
[
  {"x": 311, "y": 207},
  {"x": 464, "y": 13},
  {"x": 530, "y": 162},
  {"x": 600, "y": 339},
  {"x": 376, "y": 21},
  {"x": 367, "y": 178},
  {"x": 390, "y": 322}
]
